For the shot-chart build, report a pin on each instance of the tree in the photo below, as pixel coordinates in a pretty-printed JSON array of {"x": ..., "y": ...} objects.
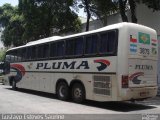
[
  {"x": 2, "y": 55},
  {"x": 45, "y": 18},
  {"x": 99, "y": 9},
  {"x": 132, "y": 4},
  {"x": 86, "y": 3},
  {"x": 12, "y": 23},
  {"x": 6, "y": 12},
  {"x": 102, "y": 9},
  {"x": 122, "y": 9},
  {"x": 37, "y": 19},
  {"x": 153, "y": 4}
]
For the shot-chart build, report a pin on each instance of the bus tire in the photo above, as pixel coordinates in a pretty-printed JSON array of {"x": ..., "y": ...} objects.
[
  {"x": 62, "y": 91},
  {"x": 14, "y": 84},
  {"x": 78, "y": 93}
]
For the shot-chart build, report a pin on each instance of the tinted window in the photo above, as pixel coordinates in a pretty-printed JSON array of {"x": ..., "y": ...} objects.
[
  {"x": 33, "y": 53},
  {"x": 53, "y": 49},
  {"x": 57, "y": 49},
  {"x": 103, "y": 43},
  {"x": 43, "y": 51},
  {"x": 74, "y": 47},
  {"x": 19, "y": 55},
  {"x": 60, "y": 48},
  {"x": 79, "y": 46},
  {"x": 28, "y": 55},
  {"x": 70, "y": 47},
  {"x": 91, "y": 44},
  {"x": 111, "y": 41},
  {"x": 46, "y": 51},
  {"x": 10, "y": 56},
  {"x": 23, "y": 54},
  {"x": 107, "y": 42}
]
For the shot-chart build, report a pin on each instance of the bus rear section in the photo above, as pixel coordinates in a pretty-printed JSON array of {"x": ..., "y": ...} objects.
[{"x": 141, "y": 80}]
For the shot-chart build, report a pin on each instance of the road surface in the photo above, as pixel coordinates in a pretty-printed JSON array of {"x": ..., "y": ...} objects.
[{"x": 32, "y": 102}]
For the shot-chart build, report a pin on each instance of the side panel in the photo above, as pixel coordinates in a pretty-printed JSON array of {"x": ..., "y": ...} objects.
[
  {"x": 142, "y": 73},
  {"x": 97, "y": 74}
]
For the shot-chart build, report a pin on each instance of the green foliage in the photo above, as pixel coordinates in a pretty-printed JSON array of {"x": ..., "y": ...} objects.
[
  {"x": 103, "y": 8},
  {"x": 35, "y": 19},
  {"x": 100, "y": 9},
  {"x": 13, "y": 22},
  {"x": 45, "y": 18},
  {"x": 2, "y": 55},
  {"x": 6, "y": 12},
  {"x": 153, "y": 4}
]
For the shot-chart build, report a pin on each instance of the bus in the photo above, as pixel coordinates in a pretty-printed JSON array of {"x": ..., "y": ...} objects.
[{"x": 114, "y": 63}]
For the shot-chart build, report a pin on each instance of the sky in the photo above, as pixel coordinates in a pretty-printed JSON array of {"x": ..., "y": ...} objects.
[{"x": 12, "y": 2}]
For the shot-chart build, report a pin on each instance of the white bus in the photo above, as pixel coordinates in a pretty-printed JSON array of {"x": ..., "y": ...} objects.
[{"x": 114, "y": 63}]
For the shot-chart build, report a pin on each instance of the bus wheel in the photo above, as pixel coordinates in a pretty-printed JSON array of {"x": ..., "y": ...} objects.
[
  {"x": 78, "y": 93},
  {"x": 62, "y": 91},
  {"x": 14, "y": 86}
]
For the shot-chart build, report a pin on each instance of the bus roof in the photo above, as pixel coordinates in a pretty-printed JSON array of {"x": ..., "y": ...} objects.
[{"x": 55, "y": 38}]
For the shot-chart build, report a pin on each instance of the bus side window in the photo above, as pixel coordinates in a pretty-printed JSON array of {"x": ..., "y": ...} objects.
[
  {"x": 79, "y": 46},
  {"x": 70, "y": 46},
  {"x": 111, "y": 41},
  {"x": 43, "y": 51},
  {"x": 40, "y": 51},
  {"x": 19, "y": 55},
  {"x": 103, "y": 43},
  {"x": 11, "y": 53},
  {"x": 33, "y": 54},
  {"x": 91, "y": 44},
  {"x": 28, "y": 56},
  {"x": 53, "y": 49},
  {"x": 23, "y": 54},
  {"x": 8, "y": 57},
  {"x": 74, "y": 46},
  {"x": 60, "y": 49},
  {"x": 46, "y": 51},
  {"x": 15, "y": 55},
  {"x": 107, "y": 42}
]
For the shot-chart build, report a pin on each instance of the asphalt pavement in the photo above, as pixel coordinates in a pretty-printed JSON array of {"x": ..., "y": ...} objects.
[{"x": 28, "y": 102}]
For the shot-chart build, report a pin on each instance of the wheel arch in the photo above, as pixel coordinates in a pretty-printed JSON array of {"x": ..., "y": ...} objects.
[
  {"x": 77, "y": 81},
  {"x": 58, "y": 81}
]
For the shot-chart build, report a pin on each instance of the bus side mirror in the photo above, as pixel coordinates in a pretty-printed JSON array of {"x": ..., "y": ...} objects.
[
  {"x": 2, "y": 68},
  {"x": 6, "y": 68}
]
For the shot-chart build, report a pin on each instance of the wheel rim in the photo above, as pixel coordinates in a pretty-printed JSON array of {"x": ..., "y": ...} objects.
[
  {"x": 77, "y": 93},
  {"x": 62, "y": 91}
]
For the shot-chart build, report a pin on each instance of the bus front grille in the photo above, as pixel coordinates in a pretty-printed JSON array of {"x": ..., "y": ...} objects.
[{"x": 102, "y": 85}]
